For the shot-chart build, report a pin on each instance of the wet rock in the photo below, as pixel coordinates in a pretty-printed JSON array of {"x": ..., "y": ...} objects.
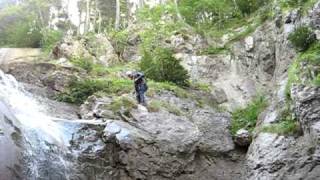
[
  {"x": 243, "y": 138},
  {"x": 54, "y": 77}
]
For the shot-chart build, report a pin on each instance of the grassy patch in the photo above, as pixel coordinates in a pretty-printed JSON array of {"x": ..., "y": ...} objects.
[
  {"x": 287, "y": 127},
  {"x": 79, "y": 91},
  {"x": 247, "y": 117},
  {"x": 311, "y": 59},
  {"x": 212, "y": 50},
  {"x": 156, "y": 105},
  {"x": 156, "y": 87},
  {"x": 201, "y": 86},
  {"x": 302, "y": 38},
  {"x": 123, "y": 103}
]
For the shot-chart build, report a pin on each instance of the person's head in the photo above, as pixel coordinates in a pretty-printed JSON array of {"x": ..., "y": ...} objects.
[{"x": 130, "y": 74}]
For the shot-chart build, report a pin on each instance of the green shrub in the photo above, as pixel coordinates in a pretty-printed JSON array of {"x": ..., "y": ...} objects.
[
  {"x": 161, "y": 66},
  {"x": 292, "y": 3},
  {"x": 316, "y": 81},
  {"x": 84, "y": 63},
  {"x": 287, "y": 127},
  {"x": 123, "y": 103},
  {"x": 247, "y": 117},
  {"x": 302, "y": 38},
  {"x": 249, "y": 6},
  {"x": 79, "y": 91},
  {"x": 166, "y": 86},
  {"x": 119, "y": 40},
  {"x": 50, "y": 38}
]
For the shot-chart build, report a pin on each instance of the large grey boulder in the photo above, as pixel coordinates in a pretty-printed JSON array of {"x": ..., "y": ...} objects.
[{"x": 138, "y": 144}]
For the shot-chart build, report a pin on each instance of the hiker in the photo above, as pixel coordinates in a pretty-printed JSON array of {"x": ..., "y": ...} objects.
[{"x": 140, "y": 85}]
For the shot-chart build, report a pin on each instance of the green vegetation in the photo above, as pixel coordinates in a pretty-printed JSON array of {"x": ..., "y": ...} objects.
[
  {"x": 156, "y": 105},
  {"x": 21, "y": 25},
  {"x": 302, "y": 38},
  {"x": 50, "y": 38},
  {"x": 123, "y": 103},
  {"x": 161, "y": 66},
  {"x": 247, "y": 117},
  {"x": 201, "y": 86},
  {"x": 119, "y": 40},
  {"x": 247, "y": 7},
  {"x": 84, "y": 63},
  {"x": 80, "y": 90},
  {"x": 287, "y": 125},
  {"x": 214, "y": 50},
  {"x": 214, "y": 18},
  {"x": 305, "y": 65}
]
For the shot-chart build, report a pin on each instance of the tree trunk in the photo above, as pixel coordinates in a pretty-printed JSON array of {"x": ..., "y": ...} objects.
[
  {"x": 117, "y": 23},
  {"x": 87, "y": 22}
]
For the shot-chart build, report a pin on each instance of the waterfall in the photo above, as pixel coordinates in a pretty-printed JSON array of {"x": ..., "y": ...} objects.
[{"x": 36, "y": 137}]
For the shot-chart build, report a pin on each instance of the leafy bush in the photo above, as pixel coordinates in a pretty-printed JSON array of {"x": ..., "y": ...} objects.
[
  {"x": 79, "y": 91},
  {"x": 21, "y": 25},
  {"x": 302, "y": 38},
  {"x": 249, "y": 6},
  {"x": 119, "y": 40},
  {"x": 50, "y": 38},
  {"x": 316, "y": 81},
  {"x": 311, "y": 59},
  {"x": 161, "y": 66},
  {"x": 247, "y": 117},
  {"x": 84, "y": 63},
  {"x": 287, "y": 125},
  {"x": 292, "y": 3}
]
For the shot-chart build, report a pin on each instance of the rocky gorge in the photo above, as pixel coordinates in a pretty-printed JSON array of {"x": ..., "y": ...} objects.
[{"x": 184, "y": 133}]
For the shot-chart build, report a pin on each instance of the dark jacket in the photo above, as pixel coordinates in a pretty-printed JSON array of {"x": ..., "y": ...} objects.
[{"x": 140, "y": 83}]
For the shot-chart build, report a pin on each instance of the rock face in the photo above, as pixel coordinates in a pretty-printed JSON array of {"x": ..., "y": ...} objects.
[
  {"x": 95, "y": 47},
  {"x": 273, "y": 156},
  {"x": 55, "y": 78},
  {"x": 161, "y": 145}
]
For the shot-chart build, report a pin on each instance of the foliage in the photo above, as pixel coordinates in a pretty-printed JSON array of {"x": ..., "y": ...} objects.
[
  {"x": 287, "y": 125},
  {"x": 247, "y": 7},
  {"x": 316, "y": 81},
  {"x": 82, "y": 62},
  {"x": 247, "y": 117},
  {"x": 292, "y": 3},
  {"x": 21, "y": 24},
  {"x": 119, "y": 40},
  {"x": 302, "y": 38},
  {"x": 201, "y": 86},
  {"x": 80, "y": 90},
  {"x": 50, "y": 38},
  {"x": 157, "y": 105},
  {"x": 166, "y": 86},
  {"x": 161, "y": 66},
  {"x": 122, "y": 102},
  {"x": 311, "y": 60},
  {"x": 214, "y": 50}
]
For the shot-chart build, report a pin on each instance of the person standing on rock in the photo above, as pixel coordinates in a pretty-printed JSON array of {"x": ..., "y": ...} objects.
[{"x": 140, "y": 85}]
